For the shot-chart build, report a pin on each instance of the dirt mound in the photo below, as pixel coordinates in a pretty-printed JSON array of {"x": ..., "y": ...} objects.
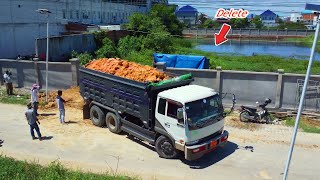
[
  {"x": 126, "y": 69},
  {"x": 71, "y": 96}
]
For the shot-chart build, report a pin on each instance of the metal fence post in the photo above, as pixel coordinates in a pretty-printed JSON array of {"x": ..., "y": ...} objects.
[
  {"x": 1, "y": 75},
  {"x": 303, "y": 94},
  {"x": 218, "y": 79},
  {"x": 37, "y": 73},
  {"x": 278, "y": 101}
]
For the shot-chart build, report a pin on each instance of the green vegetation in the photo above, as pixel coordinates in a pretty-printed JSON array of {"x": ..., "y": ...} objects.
[
  {"x": 307, "y": 125},
  {"x": 156, "y": 33},
  {"x": 239, "y": 22},
  {"x": 305, "y": 41},
  {"x": 18, "y": 98},
  {"x": 83, "y": 57},
  {"x": 108, "y": 49},
  {"x": 13, "y": 169}
]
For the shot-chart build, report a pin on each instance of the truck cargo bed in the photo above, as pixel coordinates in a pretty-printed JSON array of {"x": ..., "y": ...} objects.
[{"x": 124, "y": 95}]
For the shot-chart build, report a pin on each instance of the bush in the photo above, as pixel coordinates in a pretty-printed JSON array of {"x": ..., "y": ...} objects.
[
  {"x": 107, "y": 50},
  {"x": 143, "y": 57},
  {"x": 99, "y": 36},
  {"x": 158, "y": 41},
  {"x": 84, "y": 58},
  {"x": 129, "y": 44},
  {"x": 181, "y": 42}
]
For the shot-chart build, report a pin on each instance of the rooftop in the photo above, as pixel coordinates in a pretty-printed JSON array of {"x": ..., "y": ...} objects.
[
  {"x": 187, "y": 9},
  {"x": 187, "y": 93},
  {"x": 268, "y": 13}
]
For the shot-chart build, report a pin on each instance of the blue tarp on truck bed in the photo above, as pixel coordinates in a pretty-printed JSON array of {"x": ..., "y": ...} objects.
[{"x": 182, "y": 61}]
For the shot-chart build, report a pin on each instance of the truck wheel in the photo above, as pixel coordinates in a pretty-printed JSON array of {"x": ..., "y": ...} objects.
[
  {"x": 97, "y": 116},
  {"x": 113, "y": 123},
  {"x": 165, "y": 148}
]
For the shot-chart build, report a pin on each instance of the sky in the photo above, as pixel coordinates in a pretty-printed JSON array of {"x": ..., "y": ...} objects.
[{"x": 280, "y": 7}]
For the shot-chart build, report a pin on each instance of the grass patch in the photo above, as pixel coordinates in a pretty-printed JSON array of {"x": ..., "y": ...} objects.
[
  {"x": 17, "y": 98},
  {"x": 307, "y": 125},
  {"x": 259, "y": 63},
  {"x": 14, "y": 169},
  {"x": 305, "y": 41}
]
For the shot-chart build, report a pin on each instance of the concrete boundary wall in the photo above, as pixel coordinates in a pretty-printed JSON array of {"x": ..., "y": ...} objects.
[
  {"x": 250, "y": 87},
  {"x": 25, "y": 73}
]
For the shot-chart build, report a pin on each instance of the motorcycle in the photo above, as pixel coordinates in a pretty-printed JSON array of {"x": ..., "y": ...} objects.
[{"x": 248, "y": 114}]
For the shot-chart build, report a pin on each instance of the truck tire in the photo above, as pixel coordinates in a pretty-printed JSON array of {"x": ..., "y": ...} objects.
[
  {"x": 97, "y": 116},
  {"x": 165, "y": 148},
  {"x": 113, "y": 123}
]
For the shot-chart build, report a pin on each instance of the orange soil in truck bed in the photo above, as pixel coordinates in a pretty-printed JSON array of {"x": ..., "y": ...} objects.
[{"x": 126, "y": 69}]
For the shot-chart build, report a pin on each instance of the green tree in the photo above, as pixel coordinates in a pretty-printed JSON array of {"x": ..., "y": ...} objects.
[
  {"x": 159, "y": 41},
  {"x": 239, "y": 22},
  {"x": 168, "y": 18},
  {"x": 209, "y": 23},
  {"x": 144, "y": 23},
  {"x": 256, "y": 22},
  {"x": 128, "y": 44},
  {"x": 107, "y": 50},
  {"x": 202, "y": 18}
]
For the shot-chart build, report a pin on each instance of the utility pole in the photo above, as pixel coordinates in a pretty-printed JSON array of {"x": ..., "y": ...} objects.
[
  {"x": 46, "y": 12},
  {"x": 296, "y": 125}
]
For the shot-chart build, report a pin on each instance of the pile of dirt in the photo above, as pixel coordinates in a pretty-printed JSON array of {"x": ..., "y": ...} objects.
[
  {"x": 126, "y": 69},
  {"x": 71, "y": 96}
]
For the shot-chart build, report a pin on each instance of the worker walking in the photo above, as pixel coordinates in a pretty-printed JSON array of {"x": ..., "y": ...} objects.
[
  {"x": 32, "y": 121},
  {"x": 35, "y": 98},
  {"x": 60, "y": 102},
  {"x": 8, "y": 82}
]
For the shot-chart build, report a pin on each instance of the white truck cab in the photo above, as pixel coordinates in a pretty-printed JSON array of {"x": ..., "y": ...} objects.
[{"x": 193, "y": 117}]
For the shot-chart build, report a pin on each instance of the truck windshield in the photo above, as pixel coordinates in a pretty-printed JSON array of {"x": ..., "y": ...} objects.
[{"x": 204, "y": 112}]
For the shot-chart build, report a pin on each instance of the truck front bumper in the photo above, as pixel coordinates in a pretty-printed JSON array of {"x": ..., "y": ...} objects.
[{"x": 196, "y": 151}]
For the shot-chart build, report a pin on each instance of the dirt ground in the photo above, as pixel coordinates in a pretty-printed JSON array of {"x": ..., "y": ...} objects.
[{"x": 80, "y": 145}]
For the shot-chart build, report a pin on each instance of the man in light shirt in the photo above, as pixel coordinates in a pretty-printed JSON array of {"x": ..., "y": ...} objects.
[
  {"x": 35, "y": 98},
  {"x": 8, "y": 82},
  {"x": 60, "y": 103}
]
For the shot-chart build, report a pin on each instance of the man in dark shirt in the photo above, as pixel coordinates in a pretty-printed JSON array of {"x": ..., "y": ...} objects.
[{"x": 32, "y": 121}]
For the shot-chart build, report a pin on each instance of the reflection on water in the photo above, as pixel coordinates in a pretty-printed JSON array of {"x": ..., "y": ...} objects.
[{"x": 249, "y": 48}]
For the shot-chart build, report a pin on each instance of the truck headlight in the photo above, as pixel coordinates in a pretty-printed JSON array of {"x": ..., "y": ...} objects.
[{"x": 192, "y": 142}]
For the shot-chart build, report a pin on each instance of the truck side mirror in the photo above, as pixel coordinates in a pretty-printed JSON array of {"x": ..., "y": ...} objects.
[{"x": 180, "y": 115}]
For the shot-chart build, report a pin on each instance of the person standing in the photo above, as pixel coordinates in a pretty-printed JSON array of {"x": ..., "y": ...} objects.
[
  {"x": 60, "y": 102},
  {"x": 35, "y": 98},
  {"x": 32, "y": 121},
  {"x": 8, "y": 82}
]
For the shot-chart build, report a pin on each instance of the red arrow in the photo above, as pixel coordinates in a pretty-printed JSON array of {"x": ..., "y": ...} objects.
[{"x": 221, "y": 37}]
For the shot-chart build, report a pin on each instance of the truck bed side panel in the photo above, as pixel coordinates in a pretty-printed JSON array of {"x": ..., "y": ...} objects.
[{"x": 121, "y": 94}]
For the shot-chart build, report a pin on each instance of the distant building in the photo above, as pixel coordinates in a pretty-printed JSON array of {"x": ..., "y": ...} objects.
[
  {"x": 20, "y": 24},
  {"x": 188, "y": 15},
  {"x": 268, "y": 18},
  {"x": 309, "y": 17},
  {"x": 296, "y": 17}
]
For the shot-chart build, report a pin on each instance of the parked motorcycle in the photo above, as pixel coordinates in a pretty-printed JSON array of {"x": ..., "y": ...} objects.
[{"x": 256, "y": 115}]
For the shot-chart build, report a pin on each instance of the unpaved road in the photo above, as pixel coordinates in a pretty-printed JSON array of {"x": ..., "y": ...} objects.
[{"x": 259, "y": 154}]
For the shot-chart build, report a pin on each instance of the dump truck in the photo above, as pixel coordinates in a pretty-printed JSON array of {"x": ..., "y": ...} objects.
[{"x": 172, "y": 115}]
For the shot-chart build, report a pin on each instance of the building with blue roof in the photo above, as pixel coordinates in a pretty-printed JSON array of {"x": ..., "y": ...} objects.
[
  {"x": 268, "y": 18},
  {"x": 188, "y": 15}
]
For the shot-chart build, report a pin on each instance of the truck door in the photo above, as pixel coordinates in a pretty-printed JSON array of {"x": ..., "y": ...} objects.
[{"x": 174, "y": 127}]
